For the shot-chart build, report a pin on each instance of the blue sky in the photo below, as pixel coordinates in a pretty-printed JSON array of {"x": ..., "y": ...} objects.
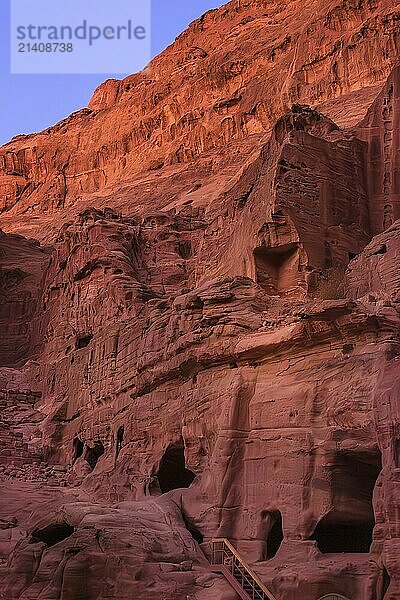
[{"x": 30, "y": 103}]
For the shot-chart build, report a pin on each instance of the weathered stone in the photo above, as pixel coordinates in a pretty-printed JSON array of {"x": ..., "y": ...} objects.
[{"x": 208, "y": 343}]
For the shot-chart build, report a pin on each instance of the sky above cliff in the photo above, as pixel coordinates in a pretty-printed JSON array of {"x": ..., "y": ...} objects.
[{"x": 30, "y": 103}]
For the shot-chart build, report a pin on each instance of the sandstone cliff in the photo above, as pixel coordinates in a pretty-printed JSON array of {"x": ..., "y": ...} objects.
[
  {"x": 219, "y": 83},
  {"x": 204, "y": 339}
]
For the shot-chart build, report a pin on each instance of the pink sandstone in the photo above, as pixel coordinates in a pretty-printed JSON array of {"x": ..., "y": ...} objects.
[{"x": 199, "y": 283}]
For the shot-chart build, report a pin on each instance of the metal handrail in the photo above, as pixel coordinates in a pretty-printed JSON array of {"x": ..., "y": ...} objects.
[{"x": 228, "y": 556}]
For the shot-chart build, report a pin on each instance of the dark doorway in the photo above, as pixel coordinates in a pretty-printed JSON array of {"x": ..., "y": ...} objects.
[
  {"x": 78, "y": 448},
  {"x": 272, "y": 531},
  {"x": 93, "y": 454},
  {"x": 277, "y": 269},
  {"x": 333, "y": 535},
  {"x": 120, "y": 439},
  {"x": 275, "y": 537},
  {"x": 349, "y": 526},
  {"x": 52, "y": 534},
  {"x": 173, "y": 473}
]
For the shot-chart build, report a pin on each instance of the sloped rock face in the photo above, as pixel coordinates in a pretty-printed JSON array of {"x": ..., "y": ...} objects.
[
  {"x": 220, "y": 83},
  {"x": 210, "y": 348},
  {"x": 140, "y": 550},
  {"x": 380, "y": 128},
  {"x": 22, "y": 266},
  {"x": 376, "y": 272}
]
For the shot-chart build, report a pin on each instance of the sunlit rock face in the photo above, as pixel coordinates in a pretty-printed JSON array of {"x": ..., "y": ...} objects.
[
  {"x": 225, "y": 81},
  {"x": 199, "y": 291}
]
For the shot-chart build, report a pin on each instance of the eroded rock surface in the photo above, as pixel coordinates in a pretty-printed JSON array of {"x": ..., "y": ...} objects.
[
  {"x": 229, "y": 77},
  {"x": 205, "y": 341},
  {"x": 85, "y": 550}
]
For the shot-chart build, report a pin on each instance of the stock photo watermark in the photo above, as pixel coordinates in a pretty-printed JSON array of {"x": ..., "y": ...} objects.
[{"x": 80, "y": 36}]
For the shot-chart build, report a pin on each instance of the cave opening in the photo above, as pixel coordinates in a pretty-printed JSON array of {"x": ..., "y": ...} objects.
[
  {"x": 78, "y": 446},
  {"x": 334, "y": 535},
  {"x": 83, "y": 341},
  {"x": 172, "y": 473},
  {"x": 277, "y": 269},
  {"x": 381, "y": 250},
  {"x": 93, "y": 454},
  {"x": 52, "y": 534},
  {"x": 120, "y": 439},
  {"x": 347, "y": 349},
  {"x": 272, "y": 532},
  {"x": 349, "y": 526}
]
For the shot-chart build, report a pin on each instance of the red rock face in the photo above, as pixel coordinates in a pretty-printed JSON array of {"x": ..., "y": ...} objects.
[
  {"x": 22, "y": 266},
  {"x": 231, "y": 75},
  {"x": 380, "y": 128},
  {"x": 205, "y": 341}
]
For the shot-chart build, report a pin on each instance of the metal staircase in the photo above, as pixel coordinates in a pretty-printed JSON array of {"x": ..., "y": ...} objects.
[{"x": 226, "y": 560}]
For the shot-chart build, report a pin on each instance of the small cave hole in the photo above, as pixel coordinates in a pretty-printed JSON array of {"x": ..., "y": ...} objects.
[
  {"x": 277, "y": 269},
  {"x": 173, "y": 473},
  {"x": 197, "y": 303},
  {"x": 83, "y": 341},
  {"x": 272, "y": 531},
  {"x": 349, "y": 526},
  {"x": 120, "y": 439},
  {"x": 381, "y": 250},
  {"x": 93, "y": 454},
  {"x": 85, "y": 271},
  {"x": 52, "y": 534},
  {"x": 347, "y": 348},
  {"x": 78, "y": 446}
]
